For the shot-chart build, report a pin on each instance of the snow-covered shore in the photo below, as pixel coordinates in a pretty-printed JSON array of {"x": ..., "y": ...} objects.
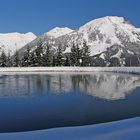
[
  {"x": 120, "y": 130},
  {"x": 135, "y": 70}
]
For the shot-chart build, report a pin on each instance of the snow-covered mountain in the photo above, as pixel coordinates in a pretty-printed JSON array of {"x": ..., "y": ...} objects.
[
  {"x": 10, "y": 42},
  {"x": 113, "y": 41}
]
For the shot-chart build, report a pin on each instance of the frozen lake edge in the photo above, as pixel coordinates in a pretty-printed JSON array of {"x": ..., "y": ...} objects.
[{"x": 134, "y": 70}]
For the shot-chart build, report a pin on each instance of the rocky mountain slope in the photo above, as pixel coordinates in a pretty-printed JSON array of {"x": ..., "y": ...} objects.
[{"x": 113, "y": 41}]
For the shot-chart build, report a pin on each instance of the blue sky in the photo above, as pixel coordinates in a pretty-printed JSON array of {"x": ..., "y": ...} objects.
[{"x": 39, "y": 16}]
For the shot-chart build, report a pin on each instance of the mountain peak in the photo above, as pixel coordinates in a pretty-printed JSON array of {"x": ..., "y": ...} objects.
[
  {"x": 58, "y": 31},
  {"x": 114, "y": 19},
  {"x": 104, "y": 21},
  {"x": 30, "y": 34}
]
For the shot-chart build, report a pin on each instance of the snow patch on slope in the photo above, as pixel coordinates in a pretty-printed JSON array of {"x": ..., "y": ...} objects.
[{"x": 118, "y": 54}]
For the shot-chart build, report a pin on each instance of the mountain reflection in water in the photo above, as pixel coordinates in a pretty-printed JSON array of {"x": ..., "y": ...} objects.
[
  {"x": 110, "y": 86},
  {"x": 42, "y": 101}
]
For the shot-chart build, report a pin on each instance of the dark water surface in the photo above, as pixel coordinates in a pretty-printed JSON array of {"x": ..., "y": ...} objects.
[{"x": 42, "y": 101}]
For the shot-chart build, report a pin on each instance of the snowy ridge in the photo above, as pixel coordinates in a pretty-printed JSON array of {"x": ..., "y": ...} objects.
[
  {"x": 57, "y": 32},
  {"x": 10, "y": 42}
]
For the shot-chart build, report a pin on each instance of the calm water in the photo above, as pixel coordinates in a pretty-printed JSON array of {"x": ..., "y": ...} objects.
[{"x": 42, "y": 101}]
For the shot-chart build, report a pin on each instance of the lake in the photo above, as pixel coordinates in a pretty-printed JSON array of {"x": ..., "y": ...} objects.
[{"x": 47, "y": 100}]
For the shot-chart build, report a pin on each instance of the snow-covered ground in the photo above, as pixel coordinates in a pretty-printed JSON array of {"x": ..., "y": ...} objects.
[
  {"x": 120, "y": 130},
  {"x": 135, "y": 70}
]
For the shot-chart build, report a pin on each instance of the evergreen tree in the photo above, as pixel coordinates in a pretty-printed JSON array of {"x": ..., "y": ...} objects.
[
  {"x": 32, "y": 59},
  {"x": 26, "y": 58},
  {"x": 73, "y": 56},
  {"x": 59, "y": 58},
  {"x": 39, "y": 55},
  {"x": 47, "y": 59},
  {"x": 54, "y": 61},
  {"x": 86, "y": 60},
  {"x": 16, "y": 59},
  {"x": 3, "y": 59},
  {"x": 9, "y": 61},
  {"x": 78, "y": 56},
  {"x": 67, "y": 61}
]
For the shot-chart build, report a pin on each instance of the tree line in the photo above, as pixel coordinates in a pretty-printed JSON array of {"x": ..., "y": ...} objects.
[{"x": 43, "y": 56}]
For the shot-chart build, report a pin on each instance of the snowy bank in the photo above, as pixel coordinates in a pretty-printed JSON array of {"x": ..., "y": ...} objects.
[
  {"x": 135, "y": 70},
  {"x": 120, "y": 130}
]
